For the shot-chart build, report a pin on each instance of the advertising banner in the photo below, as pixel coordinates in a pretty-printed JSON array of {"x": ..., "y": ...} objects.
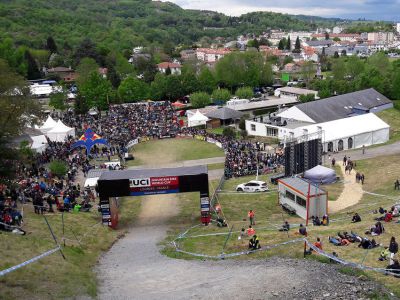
[{"x": 154, "y": 185}]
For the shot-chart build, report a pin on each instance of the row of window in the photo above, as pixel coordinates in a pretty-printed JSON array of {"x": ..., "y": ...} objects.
[
  {"x": 270, "y": 131},
  {"x": 300, "y": 201}
]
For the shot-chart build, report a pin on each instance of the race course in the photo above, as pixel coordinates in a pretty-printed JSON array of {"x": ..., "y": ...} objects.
[{"x": 134, "y": 268}]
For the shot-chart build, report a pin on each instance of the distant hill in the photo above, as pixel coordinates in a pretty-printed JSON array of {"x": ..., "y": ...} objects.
[{"x": 122, "y": 24}]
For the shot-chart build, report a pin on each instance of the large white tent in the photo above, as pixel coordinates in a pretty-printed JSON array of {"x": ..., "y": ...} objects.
[
  {"x": 48, "y": 125},
  {"x": 197, "y": 119},
  {"x": 39, "y": 143},
  {"x": 60, "y": 132},
  {"x": 349, "y": 133}
]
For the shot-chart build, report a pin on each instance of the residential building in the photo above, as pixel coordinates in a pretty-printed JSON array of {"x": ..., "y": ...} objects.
[
  {"x": 342, "y": 36},
  {"x": 188, "y": 54},
  {"x": 293, "y": 92},
  {"x": 174, "y": 67},
  {"x": 65, "y": 74},
  {"x": 380, "y": 37},
  {"x": 211, "y": 55}
]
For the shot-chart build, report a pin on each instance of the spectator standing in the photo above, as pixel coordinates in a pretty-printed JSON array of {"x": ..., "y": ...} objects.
[
  {"x": 393, "y": 248},
  {"x": 251, "y": 216}
]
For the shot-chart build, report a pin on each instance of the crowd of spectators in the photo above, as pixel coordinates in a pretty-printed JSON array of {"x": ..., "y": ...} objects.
[{"x": 126, "y": 122}]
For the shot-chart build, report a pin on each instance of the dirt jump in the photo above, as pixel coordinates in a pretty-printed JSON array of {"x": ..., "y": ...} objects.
[{"x": 351, "y": 194}]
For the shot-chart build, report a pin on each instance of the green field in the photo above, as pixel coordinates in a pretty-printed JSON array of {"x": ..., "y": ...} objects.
[
  {"x": 380, "y": 174},
  {"x": 52, "y": 277},
  {"x": 392, "y": 117},
  {"x": 173, "y": 150}
]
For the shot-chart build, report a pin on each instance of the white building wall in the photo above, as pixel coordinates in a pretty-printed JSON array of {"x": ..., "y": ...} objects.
[{"x": 296, "y": 114}]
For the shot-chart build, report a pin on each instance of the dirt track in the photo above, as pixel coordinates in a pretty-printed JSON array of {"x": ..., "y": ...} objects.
[{"x": 135, "y": 269}]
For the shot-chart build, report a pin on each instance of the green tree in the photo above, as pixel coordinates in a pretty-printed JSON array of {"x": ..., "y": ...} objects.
[
  {"x": 58, "y": 100},
  {"x": 158, "y": 87},
  {"x": 58, "y": 168},
  {"x": 307, "y": 98},
  {"x": 174, "y": 88},
  {"x": 354, "y": 67},
  {"x": 190, "y": 83},
  {"x": 308, "y": 72},
  {"x": 86, "y": 67},
  {"x": 199, "y": 99},
  {"x": 133, "y": 90},
  {"x": 81, "y": 106},
  {"x": 288, "y": 44},
  {"x": 221, "y": 95},
  {"x": 33, "y": 70},
  {"x": 96, "y": 91},
  {"x": 86, "y": 49},
  {"x": 244, "y": 93},
  {"x": 267, "y": 75},
  {"x": 380, "y": 61},
  {"x": 339, "y": 69},
  {"x": 17, "y": 111},
  {"x": 51, "y": 45},
  {"x": 254, "y": 43},
  {"x": 336, "y": 39},
  {"x": 207, "y": 80},
  {"x": 229, "y": 132},
  {"x": 282, "y": 44}
]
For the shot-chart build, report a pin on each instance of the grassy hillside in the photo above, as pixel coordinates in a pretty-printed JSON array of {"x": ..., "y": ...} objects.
[{"x": 122, "y": 24}]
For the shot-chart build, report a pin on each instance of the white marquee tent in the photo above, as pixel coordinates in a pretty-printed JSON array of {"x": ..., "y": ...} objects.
[
  {"x": 349, "y": 133},
  {"x": 197, "y": 119},
  {"x": 39, "y": 143},
  {"x": 48, "y": 125},
  {"x": 320, "y": 175},
  {"x": 60, "y": 132}
]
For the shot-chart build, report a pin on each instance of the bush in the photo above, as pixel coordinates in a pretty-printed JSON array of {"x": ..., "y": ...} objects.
[
  {"x": 244, "y": 93},
  {"x": 199, "y": 99},
  {"x": 58, "y": 168},
  {"x": 307, "y": 98},
  {"x": 229, "y": 132},
  {"x": 221, "y": 94}
]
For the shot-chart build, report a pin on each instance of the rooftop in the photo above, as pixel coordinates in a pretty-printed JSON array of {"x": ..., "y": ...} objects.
[
  {"x": 270, "y": 103},
  {"x": 339, "y": 107},
  {"x": 224, "y": 113},
  {"x": 302, "y": 186},
  {"x": 298, "y": 91}
]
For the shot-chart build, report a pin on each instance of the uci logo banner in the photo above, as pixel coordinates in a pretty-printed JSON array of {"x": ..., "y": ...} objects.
[{"x": 139, "y": 182}]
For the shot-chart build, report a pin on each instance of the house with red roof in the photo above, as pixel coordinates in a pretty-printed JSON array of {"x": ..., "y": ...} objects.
[{"x": 176, "y": 69}]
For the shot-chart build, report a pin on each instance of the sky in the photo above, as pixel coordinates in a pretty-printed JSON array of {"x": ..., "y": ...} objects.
[{"x": 388, "y": 10}]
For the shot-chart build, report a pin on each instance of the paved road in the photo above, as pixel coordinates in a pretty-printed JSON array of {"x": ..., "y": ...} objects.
[{"x": 390, "y": 149}]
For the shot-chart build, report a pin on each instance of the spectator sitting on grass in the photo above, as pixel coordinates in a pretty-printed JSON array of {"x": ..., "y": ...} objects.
[
  {"x": 251, "y": 231},
  {"x": 254, "y": 243},
  {"x": 285, "y": 226},
  {"x": 394, "y": 268},
  {"x": 302, "y": 230},
  {"x": 356, "y": 218},
  {"x": 385, "y": 253}
]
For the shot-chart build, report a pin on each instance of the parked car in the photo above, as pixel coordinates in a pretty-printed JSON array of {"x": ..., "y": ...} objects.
[{"x": 252, "y": 186}]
